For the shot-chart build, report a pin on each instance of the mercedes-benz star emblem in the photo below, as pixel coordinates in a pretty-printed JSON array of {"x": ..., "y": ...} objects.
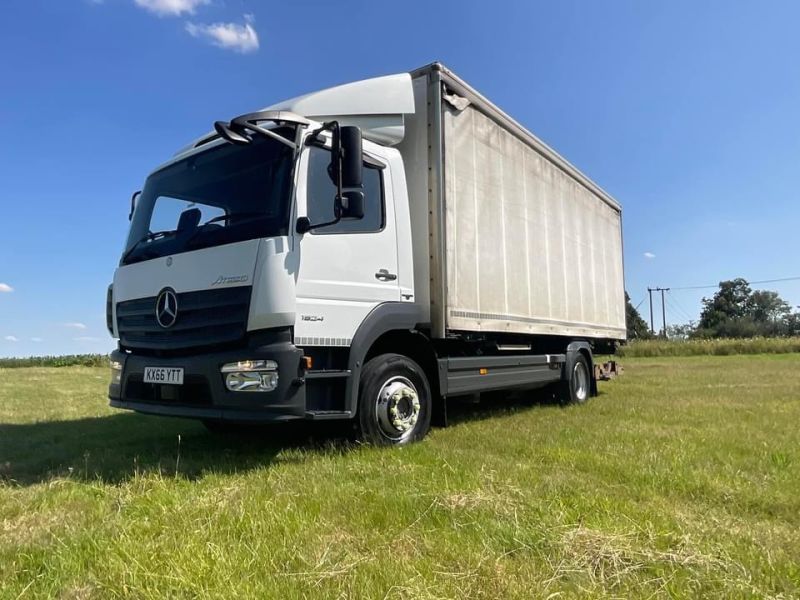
[{"x": 166, "y": 308}]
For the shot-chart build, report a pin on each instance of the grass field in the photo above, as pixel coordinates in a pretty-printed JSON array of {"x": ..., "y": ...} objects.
[{"x": 682, "y": 479}]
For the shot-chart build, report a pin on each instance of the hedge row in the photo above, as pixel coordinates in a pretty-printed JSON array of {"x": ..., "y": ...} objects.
[{"x": 69, "y": 360}]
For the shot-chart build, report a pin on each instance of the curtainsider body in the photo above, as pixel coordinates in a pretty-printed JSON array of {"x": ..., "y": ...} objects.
[
  {"x": 521, "y": 241},
  {"x": 363, "y": 252}
]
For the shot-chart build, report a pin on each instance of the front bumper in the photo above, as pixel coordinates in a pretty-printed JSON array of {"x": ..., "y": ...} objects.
[{"x": 204, "y": 394}]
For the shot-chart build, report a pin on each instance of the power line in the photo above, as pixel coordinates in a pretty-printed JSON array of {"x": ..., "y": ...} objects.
[
  {"x": 716, "y": 285},
  {"x": 673, "y": 303},
  {"x": 679, "y": 305},
  {"x": 681, "y": 313},
  {"x": 673, "y": 311},
  {"x": 673, "y": 308}
]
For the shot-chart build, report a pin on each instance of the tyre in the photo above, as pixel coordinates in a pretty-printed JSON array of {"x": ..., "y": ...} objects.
[
  {"x": 576, "y": 387},
  {"x": 394, "y": 401}
]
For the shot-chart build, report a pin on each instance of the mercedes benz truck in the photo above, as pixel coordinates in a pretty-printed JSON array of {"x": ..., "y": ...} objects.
[{"x": 363, "y": 252}]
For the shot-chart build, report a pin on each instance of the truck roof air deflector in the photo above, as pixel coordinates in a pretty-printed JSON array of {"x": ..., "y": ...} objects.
[{"x": 375, "y": 105}]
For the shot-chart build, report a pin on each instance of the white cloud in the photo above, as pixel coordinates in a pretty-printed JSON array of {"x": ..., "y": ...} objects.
[
  {"x": 231, "y": 36},
  {"x": 649, "y": 255},
  {"x": 4, "y": 287},
  {"x": 86, "y": 338},
  {"x": 75, "y": 325},
  {"x": 11, "y": 338},
  {"x": 36, "y": 339},
  {"x": 170, "y": 8}
]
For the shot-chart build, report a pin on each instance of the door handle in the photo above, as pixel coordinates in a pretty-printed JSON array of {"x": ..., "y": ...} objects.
[{"x": 384, "y": 275}]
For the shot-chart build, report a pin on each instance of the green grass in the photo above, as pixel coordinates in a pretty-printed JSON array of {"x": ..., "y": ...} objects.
[
  {"x": 682, "y": 479},
  {"x": 710, "y": 347}
]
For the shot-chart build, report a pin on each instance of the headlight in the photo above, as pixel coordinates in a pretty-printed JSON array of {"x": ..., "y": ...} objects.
[
  {"x": 251, "y": 375},
  {"x": 116, "y": 371},
  {"x": 250, "y": 365}
]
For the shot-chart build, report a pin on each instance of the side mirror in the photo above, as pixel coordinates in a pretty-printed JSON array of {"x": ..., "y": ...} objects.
[
  {"x": 352, "y": 159},
  {"x": 345, "y": 170},
  {"x": 133, "y": 204},
  {"x": 352, "y": 205},
  {"x": 346, "y": 157}
]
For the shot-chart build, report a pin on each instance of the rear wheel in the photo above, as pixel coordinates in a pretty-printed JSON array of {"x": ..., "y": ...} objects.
[
  {"x": 394, "y": 401},
  {"x": 575, "y": 388}
]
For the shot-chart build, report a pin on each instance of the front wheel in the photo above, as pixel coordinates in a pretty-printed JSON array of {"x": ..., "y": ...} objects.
[{"x": 394, "y": 401}]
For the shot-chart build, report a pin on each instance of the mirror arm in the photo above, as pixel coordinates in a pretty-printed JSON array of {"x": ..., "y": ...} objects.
[
  {"x": 241, "y": 124},
  {"x": 315, "y": 136},
  {"x": 226, "y": 132},
  {"x": 133, "y": 203},
  {"x": 308, "y": 226}
]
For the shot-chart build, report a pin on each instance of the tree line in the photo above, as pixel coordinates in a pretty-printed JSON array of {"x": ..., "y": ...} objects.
[{"x": 734, "y": 311}]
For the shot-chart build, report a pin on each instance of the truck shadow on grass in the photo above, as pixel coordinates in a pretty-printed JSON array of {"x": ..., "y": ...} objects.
[
  {"x": 115, "y": 448},
  {"x": 499, "y": 404}
]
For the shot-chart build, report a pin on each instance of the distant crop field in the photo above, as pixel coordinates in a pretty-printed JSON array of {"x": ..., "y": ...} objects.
[
  {"x": 682, "y": 479},
  {"x": 710, "y": 347}
]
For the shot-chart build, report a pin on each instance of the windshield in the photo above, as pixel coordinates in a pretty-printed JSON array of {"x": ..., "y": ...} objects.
[{"x": 226, "y": 194}]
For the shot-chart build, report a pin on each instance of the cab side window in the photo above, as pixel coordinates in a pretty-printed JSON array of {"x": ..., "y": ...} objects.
[{"x": 322, "y": 191}]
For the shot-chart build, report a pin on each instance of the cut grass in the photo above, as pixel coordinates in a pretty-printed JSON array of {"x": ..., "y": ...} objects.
[{"x": 680, "y": 480}]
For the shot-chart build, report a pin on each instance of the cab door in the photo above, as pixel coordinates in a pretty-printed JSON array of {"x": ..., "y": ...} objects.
[{"x": 346, "y": 269}]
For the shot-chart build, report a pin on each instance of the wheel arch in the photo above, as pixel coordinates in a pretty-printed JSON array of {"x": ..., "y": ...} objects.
[
  {"x": 390, "y": 327},
  {"x": 416, "y": 346}
]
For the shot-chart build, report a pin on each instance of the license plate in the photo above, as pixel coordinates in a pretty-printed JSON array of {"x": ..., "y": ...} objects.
[{"x": 167, "y": 375}]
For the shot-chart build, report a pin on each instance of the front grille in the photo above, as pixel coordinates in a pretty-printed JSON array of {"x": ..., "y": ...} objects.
[
  {"x": 194, "y": 391},
  {"x": 204, "y": 318}
]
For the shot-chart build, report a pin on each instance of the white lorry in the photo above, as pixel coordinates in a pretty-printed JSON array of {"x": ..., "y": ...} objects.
[{"x": 363, "y": 252}]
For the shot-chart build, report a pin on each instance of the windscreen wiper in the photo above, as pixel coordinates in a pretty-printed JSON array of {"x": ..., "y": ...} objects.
[{"x": 150, "y": 236}]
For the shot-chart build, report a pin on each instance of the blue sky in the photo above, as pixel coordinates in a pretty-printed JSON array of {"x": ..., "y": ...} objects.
[{"x": 687, "y": 112}]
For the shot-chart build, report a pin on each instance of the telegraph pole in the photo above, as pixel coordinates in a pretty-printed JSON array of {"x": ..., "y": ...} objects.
[
  {"x": 663, "y": 308},
  {"x": 664, "y": 311}
]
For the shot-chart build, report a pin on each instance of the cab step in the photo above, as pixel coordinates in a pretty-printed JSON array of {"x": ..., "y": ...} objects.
[{"x": 321, "y": 415}]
